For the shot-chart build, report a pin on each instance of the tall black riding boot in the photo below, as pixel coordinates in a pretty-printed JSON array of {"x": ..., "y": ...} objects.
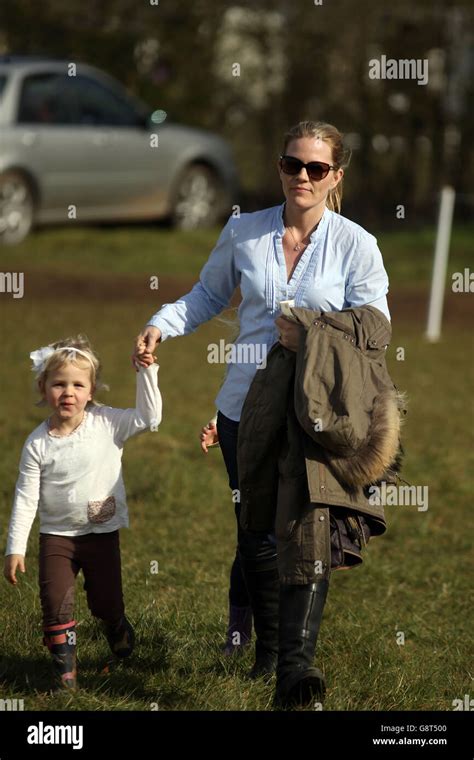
[
  {"x": 301, "y": 611},
  {"x": 262, "y": 583}
]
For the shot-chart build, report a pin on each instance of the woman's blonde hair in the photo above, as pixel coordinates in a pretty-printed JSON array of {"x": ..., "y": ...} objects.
[
  {"x": 340, "y": 155},
  {"x": 59, "y": 358}
]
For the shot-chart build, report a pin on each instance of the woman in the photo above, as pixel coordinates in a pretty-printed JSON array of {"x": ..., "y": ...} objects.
[{"x": 304, "y": 251}]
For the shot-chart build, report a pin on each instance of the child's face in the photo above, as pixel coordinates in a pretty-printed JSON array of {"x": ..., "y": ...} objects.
[{"x": 67, "y": 390}]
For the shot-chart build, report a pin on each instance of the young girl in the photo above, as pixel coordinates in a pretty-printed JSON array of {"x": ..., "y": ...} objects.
[{"x": 71, "y": 469}]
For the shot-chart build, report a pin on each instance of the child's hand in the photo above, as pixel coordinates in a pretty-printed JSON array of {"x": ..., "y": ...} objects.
[
  {"x": 145, "y": 344},
  {"x": 147, "y": 358},
  {"x": 209, "y": 436},
  {"x": 12, "y": 562}
]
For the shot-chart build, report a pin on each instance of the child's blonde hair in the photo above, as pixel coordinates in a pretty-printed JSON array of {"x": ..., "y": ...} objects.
[{"x": 59, "y": 358}]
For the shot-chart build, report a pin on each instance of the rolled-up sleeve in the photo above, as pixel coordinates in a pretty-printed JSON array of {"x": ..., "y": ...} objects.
[
  {"x": 217, "y": 282},
  {"x": 367, "y": 281}
]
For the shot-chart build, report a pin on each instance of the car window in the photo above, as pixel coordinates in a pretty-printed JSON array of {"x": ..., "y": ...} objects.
[
  {"x": 56, "y": 98},
  {"x": 44, "y": 99},
  {"x": 97, "y": 105}
]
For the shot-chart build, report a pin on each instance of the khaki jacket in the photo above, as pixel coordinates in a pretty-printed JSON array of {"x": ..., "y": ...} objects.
[{"x": 322, "y": 423}]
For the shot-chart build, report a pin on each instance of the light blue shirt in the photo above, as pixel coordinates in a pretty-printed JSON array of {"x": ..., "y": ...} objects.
[{"x": 341, "y": 267}]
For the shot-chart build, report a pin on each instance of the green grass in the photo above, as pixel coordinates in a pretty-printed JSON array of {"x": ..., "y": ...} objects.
[{"x": 415, "y": 578}]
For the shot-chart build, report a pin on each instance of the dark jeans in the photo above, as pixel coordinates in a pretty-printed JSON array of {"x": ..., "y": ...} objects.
[{"x": 256, "y": 548}]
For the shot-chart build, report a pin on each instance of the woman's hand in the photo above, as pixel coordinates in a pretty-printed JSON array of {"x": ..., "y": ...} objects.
[
  {"x": 12, "y": 562},
  {"x": 145, "y": 344},
  {"x": 290, "y": 333},
  {"x": 209, "y": 436}
]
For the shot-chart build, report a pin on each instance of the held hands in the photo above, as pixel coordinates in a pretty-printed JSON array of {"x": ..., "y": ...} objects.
[
  {"x": 290, "y": 333},
  {"x": 145, "y": 344},
  {"x": 12, "y": 562},
  {"x": 208, "y": 436}
]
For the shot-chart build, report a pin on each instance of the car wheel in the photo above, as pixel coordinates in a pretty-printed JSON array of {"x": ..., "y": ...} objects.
[
  {"x": 16, "y": 208},
  {"x": 197, "y": 200}
]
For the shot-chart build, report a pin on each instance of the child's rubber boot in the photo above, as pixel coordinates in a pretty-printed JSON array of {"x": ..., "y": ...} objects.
[
  {"x": 239, "y": 631},
  {"x": 121, "y": 637},
  {"x": 61, "y": 642}
]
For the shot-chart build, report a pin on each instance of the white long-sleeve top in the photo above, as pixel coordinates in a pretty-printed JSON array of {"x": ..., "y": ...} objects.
[{"x": 76, "y": 480}]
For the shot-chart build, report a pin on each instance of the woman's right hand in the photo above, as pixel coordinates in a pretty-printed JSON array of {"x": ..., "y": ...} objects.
[
  {"x": 12, "y": 562},
  {"x": 145, "y": 343}
]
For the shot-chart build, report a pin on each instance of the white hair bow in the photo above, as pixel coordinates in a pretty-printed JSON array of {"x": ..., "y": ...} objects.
[{"x": 40, "y": 357}]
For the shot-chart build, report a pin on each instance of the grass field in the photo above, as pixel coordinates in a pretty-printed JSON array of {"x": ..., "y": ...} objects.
[{"x": 415, "y": 578}]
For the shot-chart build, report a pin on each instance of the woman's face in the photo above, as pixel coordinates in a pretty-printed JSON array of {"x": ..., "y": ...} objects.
[{"x": 300, "y": 191}]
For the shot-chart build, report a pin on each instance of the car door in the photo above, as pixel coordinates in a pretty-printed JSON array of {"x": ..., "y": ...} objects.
[
  {"x": 121, "y": 163},
  {"x": 85, "y": 147},
  {"x": 48, "y": 141}
]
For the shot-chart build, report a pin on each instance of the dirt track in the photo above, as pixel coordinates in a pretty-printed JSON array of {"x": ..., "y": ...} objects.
[{"x": 406, "y": 304}]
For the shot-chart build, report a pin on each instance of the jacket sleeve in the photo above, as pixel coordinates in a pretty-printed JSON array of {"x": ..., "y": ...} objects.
[
  {"x": 217, "y": 282},
  {"x": 367, "y": 281}
]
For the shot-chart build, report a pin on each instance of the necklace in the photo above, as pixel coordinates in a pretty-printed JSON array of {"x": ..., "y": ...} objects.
[{"x": 297, "y": 247}]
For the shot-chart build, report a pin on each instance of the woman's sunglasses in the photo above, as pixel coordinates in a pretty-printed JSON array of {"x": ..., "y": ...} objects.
[{"x": 316, "y": 169}]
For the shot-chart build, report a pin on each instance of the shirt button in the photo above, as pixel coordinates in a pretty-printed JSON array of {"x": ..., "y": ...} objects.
[{"x": 321, "y": 517}]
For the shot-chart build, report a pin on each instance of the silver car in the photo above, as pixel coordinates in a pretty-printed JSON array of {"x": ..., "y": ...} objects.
[{"x": 75, "y": 145}]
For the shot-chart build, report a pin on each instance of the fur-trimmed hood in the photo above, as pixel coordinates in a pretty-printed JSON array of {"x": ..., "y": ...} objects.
[
  {"x": 344, "y": 397},
  {"x": 379, "y": 456}
]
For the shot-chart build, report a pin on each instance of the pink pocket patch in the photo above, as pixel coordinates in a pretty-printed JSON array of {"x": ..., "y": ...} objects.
[{"x": 102, "y": 510}]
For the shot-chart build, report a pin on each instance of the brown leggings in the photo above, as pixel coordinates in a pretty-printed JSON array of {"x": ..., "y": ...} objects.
[{"x": 61, "y": 558}]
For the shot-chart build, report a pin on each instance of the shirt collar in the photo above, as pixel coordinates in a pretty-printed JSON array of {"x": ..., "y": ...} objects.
[{"x": 281, "y": 225}]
